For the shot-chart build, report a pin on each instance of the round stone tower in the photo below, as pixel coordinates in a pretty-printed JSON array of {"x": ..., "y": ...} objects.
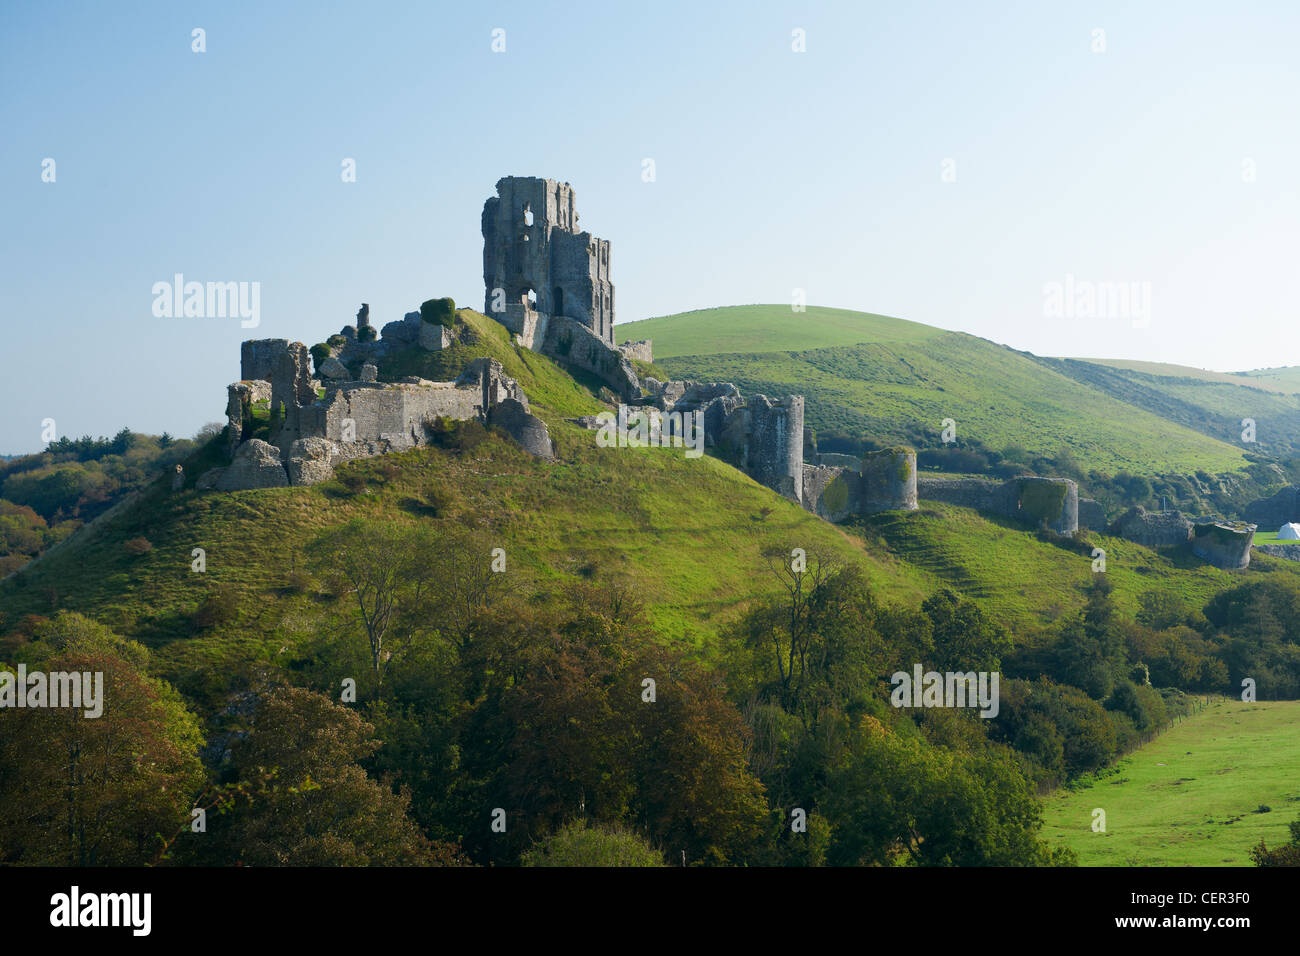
[{"x": 888, "y": 480}]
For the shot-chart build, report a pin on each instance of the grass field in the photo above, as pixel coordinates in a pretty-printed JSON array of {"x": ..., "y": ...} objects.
[
  {"x": 894, "y": 381},
  {"x": 769, "y": 328},
  {"x": 1189, "y": 798},
  {"x": 1025, "y": 582},
  {"x": 1283, "y": 380}
]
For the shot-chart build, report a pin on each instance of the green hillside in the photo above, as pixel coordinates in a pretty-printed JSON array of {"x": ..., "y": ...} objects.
[
  {"x": 686, "y": 534},
  {"x": 536, "y": 703},
  {"x": 769, "y": 328},
  {"x": 1024, "y": 581},
  {"x": 1209, "y": 402},
  {"x": 900, "y": 380},
  {"x": 1190, "y": 797}
]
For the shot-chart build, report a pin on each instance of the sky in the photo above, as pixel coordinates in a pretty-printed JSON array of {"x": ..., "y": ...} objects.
[{"x": 970, "y": 165}]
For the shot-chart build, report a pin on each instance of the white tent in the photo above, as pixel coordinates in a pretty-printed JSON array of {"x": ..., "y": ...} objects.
[{"x": 1289, "y": 532}]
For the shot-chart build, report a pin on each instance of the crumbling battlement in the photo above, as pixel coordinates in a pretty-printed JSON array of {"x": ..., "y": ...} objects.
[
  {"x": 360, "y": 418},
  {"x": 536, "y": 259},
  {"x": 763, "y": 437},
  {"x": 549, "y": 284}
]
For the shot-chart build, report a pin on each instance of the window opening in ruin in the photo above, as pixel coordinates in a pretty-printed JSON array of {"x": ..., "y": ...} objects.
[
  {"x": 528, "y": 214},
  {"x": 532, "y": 299}
]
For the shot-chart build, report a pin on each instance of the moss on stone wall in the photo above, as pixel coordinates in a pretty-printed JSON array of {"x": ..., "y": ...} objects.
[
  {"x": 836, "y": 496},
  {"x": 1042, "y": 500}
]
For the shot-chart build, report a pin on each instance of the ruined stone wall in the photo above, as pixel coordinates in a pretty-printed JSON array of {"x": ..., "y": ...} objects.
[
  {"x": 1224, "y": 544},
  {"x": 831, "y": 492},
  {"x": 1153, "y": 529},
  {"x": 566, "y": 269},
  {"x": 1050, "y": 501},
  {"x": 1291, "y": 552},
  {"x": 287, "y": 367},
  {"x": 641, "y": 350},
  {"x": 774, "y": 444},
  {"x": 975, "y": 493},
  {"x": 577, "y": 345}
]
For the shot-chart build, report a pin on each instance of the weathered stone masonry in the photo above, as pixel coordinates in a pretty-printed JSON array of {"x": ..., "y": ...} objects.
[{"x": 361, "y": 418}]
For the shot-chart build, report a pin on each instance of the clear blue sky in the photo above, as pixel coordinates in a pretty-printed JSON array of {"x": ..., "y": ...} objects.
[{"x": 775, "y": 170}]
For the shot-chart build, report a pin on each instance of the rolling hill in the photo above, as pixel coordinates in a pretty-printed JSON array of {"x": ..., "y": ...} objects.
[{"x": 893, "y": 380}]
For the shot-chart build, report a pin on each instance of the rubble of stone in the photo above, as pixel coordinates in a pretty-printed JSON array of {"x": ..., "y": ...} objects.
[
  {"x": 1053, "y": 502},
  {"x": 355, "y": 417},
  {"x": 548, "y": 282},
  {"x": 640, "y": 351},
  {"x": 1290, "y": 552}
]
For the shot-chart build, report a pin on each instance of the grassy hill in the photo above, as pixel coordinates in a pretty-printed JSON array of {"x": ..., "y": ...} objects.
[
  {"x": 685, "y": 534},
  {"x": 892, "y": 380},
  {"x": 769, "y": 328},
  {"x": 1191, "y": 796},
  {"x": 1209, "y": 402},
  {"x": 1024, "y": 581}
]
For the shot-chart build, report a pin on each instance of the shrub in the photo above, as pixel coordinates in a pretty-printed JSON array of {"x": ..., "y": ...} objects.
[
  {"x": 578, "y": 844},
  {"x": 298, "y": 582},
  {"x": 366, "y": 333},
  {"x": 336, "y": 341},
  {"x": 439, "y": 311},
  {"x": 138, "y": 546},
  {"x": 218, "y": 608},
  {"x": 319, "y": 353},
  {"x": 440, "y": 497},
  {"x": 458, "y": 435},
  {"x": 353, "y": 482}
]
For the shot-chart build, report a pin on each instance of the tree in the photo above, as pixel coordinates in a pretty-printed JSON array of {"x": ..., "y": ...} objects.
[
  {"x": 965, "y": 639},
  {"x": 83, "y": 791},
  {"x": 578, "y": 843},
  {"x": 322, "y": 809},
  {"x": 409, "y": 581},
  {"x": 386, "y": 568},
  {"x": 1288, "y": 854}
]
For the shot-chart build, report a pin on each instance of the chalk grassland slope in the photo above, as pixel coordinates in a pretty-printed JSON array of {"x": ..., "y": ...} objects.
[
  {"x": 1266, "y": 380},
  {"x": 685, "y": 534},
  {"x": 900, "y": 380},
  {"x": 769, "y": 328},
  {"x": 1285, "y": 379},
  {"x": 1189, "y": 797},
  {"x": 1023, "y": 581},
  {"x": 1211, "y": 403}
]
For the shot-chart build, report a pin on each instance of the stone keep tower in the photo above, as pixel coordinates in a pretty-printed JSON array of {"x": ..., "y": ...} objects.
[{"x": 534, "y": 253}]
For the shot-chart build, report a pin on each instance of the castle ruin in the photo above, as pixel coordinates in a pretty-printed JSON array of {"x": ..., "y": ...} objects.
[{"x": 548, "y": 283}]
